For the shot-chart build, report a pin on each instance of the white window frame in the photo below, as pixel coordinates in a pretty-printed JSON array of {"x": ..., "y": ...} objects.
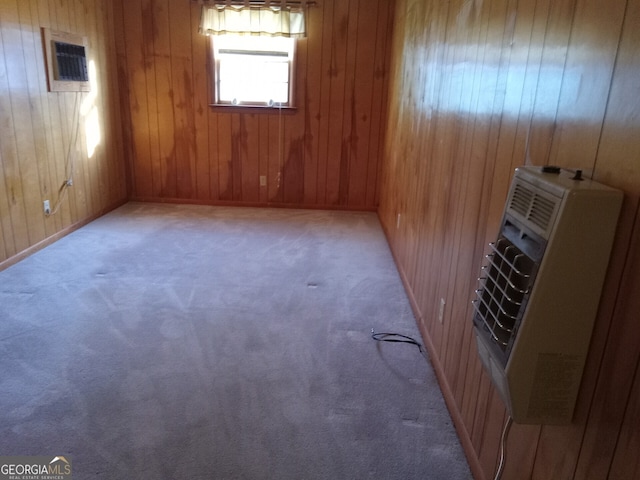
[{"x": 226, "y": 47}]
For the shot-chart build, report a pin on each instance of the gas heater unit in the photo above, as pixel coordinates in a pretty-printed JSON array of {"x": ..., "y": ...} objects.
[{"x": 540, "y": 287}]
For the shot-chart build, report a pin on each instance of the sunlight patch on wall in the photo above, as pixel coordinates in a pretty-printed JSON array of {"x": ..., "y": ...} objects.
[
  {"x": 89, "y": 111},
  {"x": 511, "y": 86}
]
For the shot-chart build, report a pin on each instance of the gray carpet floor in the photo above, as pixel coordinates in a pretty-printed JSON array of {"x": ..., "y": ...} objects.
[{"x": 192, "y": 342}]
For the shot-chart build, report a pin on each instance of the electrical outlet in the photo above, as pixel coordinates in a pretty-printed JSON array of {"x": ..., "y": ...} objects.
[
  {"x": 441, "y": 311},
  {"x": 263, "y": 180},
  {"x": 47, "y": 207}
]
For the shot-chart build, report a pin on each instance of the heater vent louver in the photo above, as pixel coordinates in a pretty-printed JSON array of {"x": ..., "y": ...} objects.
[
  {"x": 541, "y": 212},
  {"x": 521, "y": 199},
  {"x": 533, "y": 206}
]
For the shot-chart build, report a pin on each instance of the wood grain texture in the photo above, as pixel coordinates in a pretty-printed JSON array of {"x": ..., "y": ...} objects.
[
  {"x": 45, "y": 135},
  {"x": 478, "y": 88},
  {"x": 325, "y": 154}
]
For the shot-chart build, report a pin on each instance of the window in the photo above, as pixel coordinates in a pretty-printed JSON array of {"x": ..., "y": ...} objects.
[
  {"x": 253, "y": 47},
  {"x": 253, "y": 71}
]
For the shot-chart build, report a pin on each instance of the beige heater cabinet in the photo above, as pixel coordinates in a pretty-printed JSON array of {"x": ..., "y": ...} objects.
[{"x": 540, "y": 288}]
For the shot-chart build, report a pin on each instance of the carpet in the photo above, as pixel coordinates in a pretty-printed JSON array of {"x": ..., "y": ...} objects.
[{"x": 196, "y": 342}]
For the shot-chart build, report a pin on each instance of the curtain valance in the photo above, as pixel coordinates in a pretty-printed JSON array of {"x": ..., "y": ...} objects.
[{"x": 263, "y": 20}]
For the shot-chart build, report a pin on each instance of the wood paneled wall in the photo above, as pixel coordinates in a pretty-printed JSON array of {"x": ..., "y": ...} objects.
[
  {"x": 325, "y": 154},
  {"x": 39, "y": 146},
  {"x": 479, "y": 87}
]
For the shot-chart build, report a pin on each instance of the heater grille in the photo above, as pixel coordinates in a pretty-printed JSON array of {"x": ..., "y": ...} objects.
[{"x": 504, "y": 286}]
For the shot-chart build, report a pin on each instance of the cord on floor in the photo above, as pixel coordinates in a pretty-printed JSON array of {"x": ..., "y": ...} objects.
[{"x": 398, "y": 338}]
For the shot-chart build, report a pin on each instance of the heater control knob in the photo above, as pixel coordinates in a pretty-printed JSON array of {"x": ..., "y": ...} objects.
[{"x": 551, "y": 169}]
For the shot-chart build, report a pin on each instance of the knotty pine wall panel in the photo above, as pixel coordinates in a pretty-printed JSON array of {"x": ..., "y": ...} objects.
[
  {"x": 476, "y": 89},
  {"x": 325, "y": 154},
  {"x": 46, "y": 136}
]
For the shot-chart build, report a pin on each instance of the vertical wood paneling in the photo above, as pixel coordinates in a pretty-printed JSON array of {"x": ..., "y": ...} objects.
[
  {"x": 39, "y": 128},
  {"x": 322, "y": 112},
  {"x": 162, "y": 105},
  {"x": 14, "y": 95},
  {"x": 182, "y": 96},
  {"x": 239, "y": 155},
  {"x": 476, "y": 89},
  {"x": 85, "y": 167},
  {"x": 58, "y": 164},
  {"x": 362, "y": 103},
  {"x": 14, "y": 216},
  {"x": 223, "y": 141},
  {"x": 312, "y": 89},
  {"x": 626, "y": 462},
  {"x": 294, "y": 154},
  {"x": 140, "y": 124},
  {"x": 593, "y": 46},
  {"x": 149, "y": 32},
  {"x": 276, "y": 157},
  {"x": 30, "y": 41},
  {"x": 124, "y": 90},
  {"x": 380, "y": 90},
  {"x": 116, "y": 182},
  {"x": 336, "y": 161},
  {"x": 21, "y": 90},
  {"x": 326, "y": 153},
  {"x": 199, "y": 75}
]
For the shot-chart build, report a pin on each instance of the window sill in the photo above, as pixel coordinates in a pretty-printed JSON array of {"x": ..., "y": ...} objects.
[{"x": 252, "y": 109}]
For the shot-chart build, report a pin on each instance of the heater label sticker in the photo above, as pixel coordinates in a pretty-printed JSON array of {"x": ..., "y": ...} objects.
[
  {"x": 553, "y": 385},
  {"x": 35, "y": 468}
]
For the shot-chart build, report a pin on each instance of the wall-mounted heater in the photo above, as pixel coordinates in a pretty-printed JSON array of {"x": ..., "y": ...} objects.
[{"x": 540, "y": 287}]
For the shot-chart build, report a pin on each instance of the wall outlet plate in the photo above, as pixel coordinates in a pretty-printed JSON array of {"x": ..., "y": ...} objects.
[{"x": 441, "y": 311}]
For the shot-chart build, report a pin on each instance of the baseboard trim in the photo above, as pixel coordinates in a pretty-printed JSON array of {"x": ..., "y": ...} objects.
[
  {"x": 231, "y": 203},
  {"x": 57, "y": 236},
  {"x": 447, "y": 393}
]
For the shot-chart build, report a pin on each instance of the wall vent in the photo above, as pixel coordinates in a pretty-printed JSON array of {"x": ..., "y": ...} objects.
[{"x": 66, "y": 61}]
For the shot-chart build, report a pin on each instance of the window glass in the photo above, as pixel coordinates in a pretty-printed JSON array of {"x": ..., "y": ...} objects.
[{"x": 253, "y": 70}]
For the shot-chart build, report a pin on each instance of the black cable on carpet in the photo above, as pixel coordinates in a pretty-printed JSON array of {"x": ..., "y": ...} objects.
[{"x": 397, "y": 338}]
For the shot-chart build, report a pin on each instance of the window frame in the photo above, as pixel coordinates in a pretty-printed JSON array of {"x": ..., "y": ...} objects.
[{"x": 214, "y": 82}]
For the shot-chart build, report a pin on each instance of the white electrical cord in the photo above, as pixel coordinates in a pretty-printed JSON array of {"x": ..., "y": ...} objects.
[
  {"x": 69, "y": 164},
  {"x": 280, "y": 147},
  {"x": 503, "y": 448}
]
